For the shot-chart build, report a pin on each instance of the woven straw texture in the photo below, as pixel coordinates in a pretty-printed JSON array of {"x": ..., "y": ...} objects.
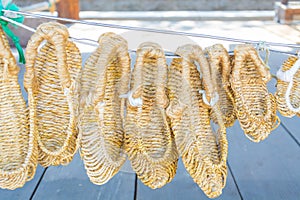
[
  {"x": 282, "y": 89},
  {"x": 18, "y": 147},
  {"x": 220, "y": 65},
  {"x": 105, "y": 77},
  {"x": 203, "y": 151},
  {"x": 51, "y": 79},
  {"x": 255, "y": 107},
  {"x": 150, "y": 143}
]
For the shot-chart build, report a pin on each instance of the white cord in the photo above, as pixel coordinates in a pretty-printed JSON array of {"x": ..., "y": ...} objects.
[
  {"x": 288, "y": 76},
  {"x": 288, "y": 100},
  {"x": 18, "y": 24},
  {"x": 214, "y": 99},
  {"x": 135, "y": 102}
]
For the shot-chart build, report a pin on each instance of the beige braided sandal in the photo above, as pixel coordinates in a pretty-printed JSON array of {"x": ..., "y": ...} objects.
[
  {"x": 105, "y": 77},
  {"x": 149, "y": 143},
  {"x": 52, "y": 82},
  {"x": 18, "y": 146},
  {"x": 288, "y": 90},
  {"x": 255, "y": 107},
  {"x": 219, "y": 62},
  {"x": 203, "y": 151}
]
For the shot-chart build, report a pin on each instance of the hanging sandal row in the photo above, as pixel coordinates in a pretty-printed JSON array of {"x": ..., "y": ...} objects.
[{"x": 153, "y": 114}]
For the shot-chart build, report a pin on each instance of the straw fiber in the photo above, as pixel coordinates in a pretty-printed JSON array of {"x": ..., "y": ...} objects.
[
  {"x": 18, "y": 146},
  {"x": 255, "y": 107},
  {"x": 219, "y": 62},
  {"x": 105, "y": 77},
  {"x": 51, "y": 79},
  {"x": 150, "y": 143},
  {"x": 203, "y": 151}
]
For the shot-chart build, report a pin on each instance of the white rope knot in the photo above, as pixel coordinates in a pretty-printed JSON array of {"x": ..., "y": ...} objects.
[
  {"x": 135, "y": 102},
  {"x": 288, "y": 100},
  {"x": 288, "y": 75},
  {"x": 214, "y": 99},
  {"x": 262, "y": 46},
  {"x": 66, "y": 91}
]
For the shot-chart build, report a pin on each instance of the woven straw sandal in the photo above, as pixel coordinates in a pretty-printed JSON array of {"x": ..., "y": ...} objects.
[
  {"x": 288, "y": 91},
  {"x": 219, "y": 62},
  {"x": 18, "y": 147},
  {"x": 203, "y": 151},
  {"x": 52, "y": 82},
  {"x": 149, "y": 143},
  {"x": 255, "y": 107},
  {"x": 105, "y": 77}
]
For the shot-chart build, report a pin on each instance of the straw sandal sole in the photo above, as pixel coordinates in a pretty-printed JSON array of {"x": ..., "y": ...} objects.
[
  {"x": 18, "y": 146},
  {"x": 203, "y": 153},
  {"x": 255, "y": 107},
  {"x": 105, "y": 77},
  {"x": 150, "y": 143},
  {"x": 52, "y": 82}
]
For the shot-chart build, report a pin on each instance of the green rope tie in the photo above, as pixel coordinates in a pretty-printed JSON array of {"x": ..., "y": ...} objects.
[{"x": 6, "y": 29}]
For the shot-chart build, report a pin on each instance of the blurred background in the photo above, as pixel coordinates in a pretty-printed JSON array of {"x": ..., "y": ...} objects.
[{"x": 168, "y": 5}]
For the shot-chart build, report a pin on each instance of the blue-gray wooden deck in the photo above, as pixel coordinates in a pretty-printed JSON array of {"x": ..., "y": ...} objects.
[{"x": 268, "y": 170}]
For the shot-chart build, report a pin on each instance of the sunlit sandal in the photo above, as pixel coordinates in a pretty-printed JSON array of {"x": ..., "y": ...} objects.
[
  {"x": 288, "y": 89},
  {"x": 150, "y": 143},
  {"x": 203, "y": 151},
  {"x": 18, "y": 146},
  {"x": 255, "y": 107},
  {"x": 220, "y": 67},
  {"x": 52, "y": 82},
  {"x": 105, "y": 77}
]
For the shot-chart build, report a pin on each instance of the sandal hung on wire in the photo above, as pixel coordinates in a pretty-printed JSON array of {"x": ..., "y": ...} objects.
[
  {"x": 52, "y": 82},
  {"x": 18, "y": 146},
  {"x": 255, "y": 107},
  {"x": 288, "y": 87},
  {"x": 220, "y": 65},
  {"x": 203, "y": 151},
  {"x": 150, "y": 144},
  {"x": 105, "y": 77}
]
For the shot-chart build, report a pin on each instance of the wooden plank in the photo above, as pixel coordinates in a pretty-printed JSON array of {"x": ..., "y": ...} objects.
[
  {"x": 292, "y": 126},
  {"x": 71, "y": 182},
  {"x": 266, "y": 170},
  {"x": 24, "y": 192},
  {"x": 68, "y": 9},
  {"x": 183, "y": 187},
  {"x": 21, "y": 81}
]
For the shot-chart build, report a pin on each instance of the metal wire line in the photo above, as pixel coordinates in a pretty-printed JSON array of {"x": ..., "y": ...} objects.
[
  {"x": 169, "y": 32},
  {"x": 168, "y": 54},
  {"x": 85, "y": 41}
]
